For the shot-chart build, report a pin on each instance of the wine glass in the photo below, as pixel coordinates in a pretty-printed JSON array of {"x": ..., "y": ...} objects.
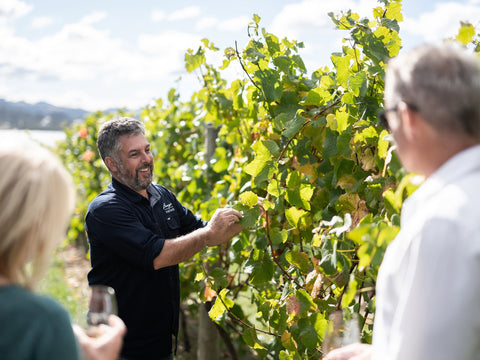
[
  {"x": 342, "y": 330},
  {"x": 102, "y": 304}
]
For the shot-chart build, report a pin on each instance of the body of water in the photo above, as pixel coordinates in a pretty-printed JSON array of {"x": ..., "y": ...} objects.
[{"x": 11, "y": 137}]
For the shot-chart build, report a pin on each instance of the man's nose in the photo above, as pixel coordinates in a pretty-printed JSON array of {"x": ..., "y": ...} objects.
[{"x": 147, "y": 157}]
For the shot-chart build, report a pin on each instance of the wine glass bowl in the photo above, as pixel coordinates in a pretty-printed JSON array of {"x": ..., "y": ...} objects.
[
  {"x": 342, "y": 330},
  {"x": 102, "y": 304}
]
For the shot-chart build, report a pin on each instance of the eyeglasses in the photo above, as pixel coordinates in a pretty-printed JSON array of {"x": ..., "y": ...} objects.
[
  {"x": 382, "y": 117},
  {"x": 382, "y": 114}
]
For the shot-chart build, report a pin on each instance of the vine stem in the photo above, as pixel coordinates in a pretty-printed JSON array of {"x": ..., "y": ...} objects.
[
  {"x": 282, "y": 153},
  {"x": 245, "y": 70},
  {"x": 339, "y": 303},
  {"x": 236, "y": 318},
  {"x": 326, "y": 108}
]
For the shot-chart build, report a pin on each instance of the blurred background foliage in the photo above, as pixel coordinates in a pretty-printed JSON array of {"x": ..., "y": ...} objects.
[{"x": 302, "y": 155}]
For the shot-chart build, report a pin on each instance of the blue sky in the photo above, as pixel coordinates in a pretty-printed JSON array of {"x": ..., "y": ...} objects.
[{"x": 97, "y": 54}]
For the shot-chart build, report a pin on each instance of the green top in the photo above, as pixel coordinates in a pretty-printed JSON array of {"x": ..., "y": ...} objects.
[{"x": 34, "y": 327}]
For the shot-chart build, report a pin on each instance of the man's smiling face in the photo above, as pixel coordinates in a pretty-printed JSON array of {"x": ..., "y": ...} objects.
[{"x": 134, "y": 163}]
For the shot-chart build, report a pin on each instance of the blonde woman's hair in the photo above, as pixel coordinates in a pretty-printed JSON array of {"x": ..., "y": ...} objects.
[{"x": 36, "y": 202}]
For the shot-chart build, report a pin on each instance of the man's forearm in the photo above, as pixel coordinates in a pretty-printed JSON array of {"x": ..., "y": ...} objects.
[
  {"x": 180, "y": 249},
  {"x": 221, "y": 228}
]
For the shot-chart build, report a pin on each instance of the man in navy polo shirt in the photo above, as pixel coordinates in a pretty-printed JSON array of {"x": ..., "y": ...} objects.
[{"x": 138, "y": 234}]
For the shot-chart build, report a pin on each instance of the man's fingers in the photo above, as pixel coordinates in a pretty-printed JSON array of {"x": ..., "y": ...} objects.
[
  {"x": 237, "y": 213},
  {"x": 226, "y": 214},
  {"x": 234, "y": 218},
  {"x": 230, "y": 211}
]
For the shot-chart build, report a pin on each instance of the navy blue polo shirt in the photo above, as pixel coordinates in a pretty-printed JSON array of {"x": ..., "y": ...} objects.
[{"x": 126, "y": 232}]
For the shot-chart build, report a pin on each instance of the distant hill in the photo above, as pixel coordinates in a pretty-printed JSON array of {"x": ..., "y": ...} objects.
[{"x": 21, "y": 115}]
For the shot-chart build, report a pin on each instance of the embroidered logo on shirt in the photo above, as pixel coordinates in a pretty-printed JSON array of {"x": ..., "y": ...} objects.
[{"x": 168, "y": 208}]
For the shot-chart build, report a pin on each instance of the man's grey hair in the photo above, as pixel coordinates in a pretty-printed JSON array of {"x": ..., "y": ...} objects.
[
  {"x": 109, "y": 133},
  {"x": 442, "y": 82}
]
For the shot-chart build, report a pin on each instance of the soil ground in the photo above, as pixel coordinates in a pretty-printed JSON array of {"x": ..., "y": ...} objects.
[{"x": 76, "y": 267}]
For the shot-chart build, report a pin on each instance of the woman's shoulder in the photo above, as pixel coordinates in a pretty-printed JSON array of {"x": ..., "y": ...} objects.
[
  {"x": 37, "y": 326},
  {"x": 14, "y": 299}
]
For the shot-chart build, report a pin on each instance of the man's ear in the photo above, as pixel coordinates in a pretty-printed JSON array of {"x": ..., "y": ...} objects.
[{"x": 111, "y": 164}]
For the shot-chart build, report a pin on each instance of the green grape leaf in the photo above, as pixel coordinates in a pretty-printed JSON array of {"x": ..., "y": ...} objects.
[
  {"x": 278, "y": 236},
  {"x": 305, "y": 302},
  {"x": 349, "y": 295},
  {"x": 222, "y": 304},
  {"x": 358, "y": 83},
  {"x": 309, "y": 336},
  {"x": 250, "y": 215},
  {"x": 316, "y": 97},
  {"x": 288, "y": 342},
  {"x": 272, "y": 44},
  {"x": 194, "y": 61},
  {"x": 293, "y": 126},
  {"x": 199, "y": 276},
  {"x": 260, "y": 266},
  {"x": 298, "y": 259},
  {"x": 320, "y": 324},
  {"x": 262, "y": 272},
  {"x": 249, "y": 335},
  {"x": 394, "y": 11},
  {"x": 294, "y": 215},
  {"x": 249, "y": 199},
  {"x": 255, "y": 167},
  {"x": 273, "y": 188},
  {"x": 466, "y": 33},
  {"x": 342, "y": 120}
]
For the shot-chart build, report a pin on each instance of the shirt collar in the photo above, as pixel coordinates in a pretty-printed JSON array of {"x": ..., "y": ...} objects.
[
  {"x": 132, "y": 195},
  {"x": 457, "y": 167},
  {"x": 154, "y": 194}
]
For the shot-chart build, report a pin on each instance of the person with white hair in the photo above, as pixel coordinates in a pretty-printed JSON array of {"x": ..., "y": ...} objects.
[{"x": 428, "y": 288}]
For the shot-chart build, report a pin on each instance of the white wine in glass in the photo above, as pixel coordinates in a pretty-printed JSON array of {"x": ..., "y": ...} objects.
[{"x": 342, "y": 330}]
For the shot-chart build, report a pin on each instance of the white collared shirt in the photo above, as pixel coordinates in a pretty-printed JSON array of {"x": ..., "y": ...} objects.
[{"x": 428, "y": 288}]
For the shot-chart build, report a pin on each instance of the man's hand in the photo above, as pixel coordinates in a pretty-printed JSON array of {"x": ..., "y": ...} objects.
[
  {"x": 106, "y": 344},
  {"x": 223, "y": 226},
  {"x": 351, "y": 352}
]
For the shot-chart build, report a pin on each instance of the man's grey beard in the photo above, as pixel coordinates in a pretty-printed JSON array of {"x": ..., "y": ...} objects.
[{"x": 134, "y": 182}]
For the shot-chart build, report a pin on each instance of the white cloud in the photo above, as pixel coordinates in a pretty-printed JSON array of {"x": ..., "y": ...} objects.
[
  {"x": 80, "y": 52},
  {"x": 172, "y": 42},
  {"x": 234, "y": 24},
  {"x": 296, "y": 19},
  {"x": 443, "y": 21},
  {"x": 84, "y": 65},
  {"x": 308, "y": 21},
  {"x": 74, "y": 98},
  {"x": 41, "y": 22},
  {"x": 185, "y": 13},
  {"x": 93, "y": 18},
  {"x": 14, "y": 8},
  {"x": 158, "y": 15},
  {"x": 81, "y": 55},
  {"x": 206, "y": 23}
]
